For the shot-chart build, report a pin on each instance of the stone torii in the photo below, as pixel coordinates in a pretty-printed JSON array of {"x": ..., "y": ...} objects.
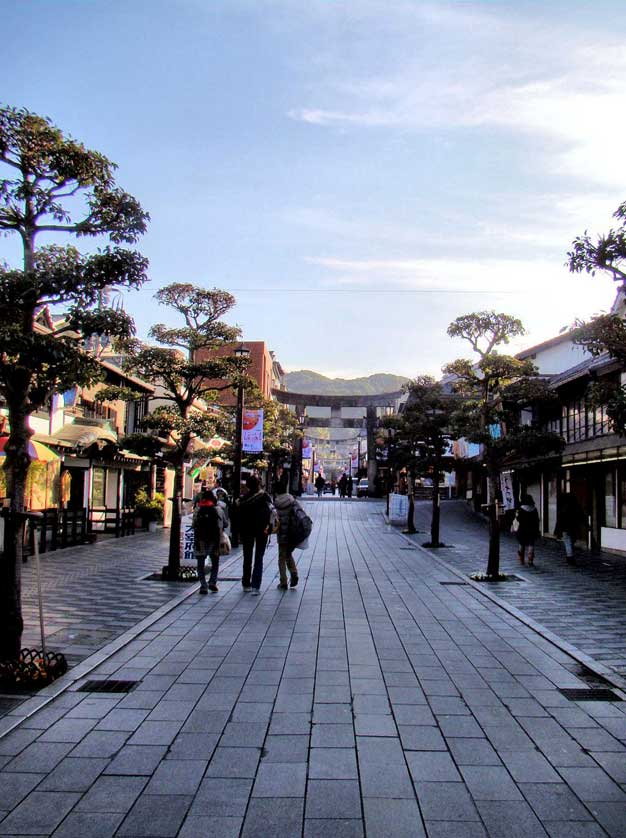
[{"x": 371, "y": 404}]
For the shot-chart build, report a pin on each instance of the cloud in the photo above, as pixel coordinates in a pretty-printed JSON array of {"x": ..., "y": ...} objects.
[{"x": 565, "y": 88}]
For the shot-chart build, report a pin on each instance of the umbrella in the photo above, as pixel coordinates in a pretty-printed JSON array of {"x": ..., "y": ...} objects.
[{"x": 36, "y": 451}]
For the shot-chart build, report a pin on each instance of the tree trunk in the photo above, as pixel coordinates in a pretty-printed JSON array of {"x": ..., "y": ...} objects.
[
  {"x": 173, "y": 559},
  {"x": 493, "y": 562},
  {"x": 16, "y": 468},
  {"x": 434, "y": 524}
]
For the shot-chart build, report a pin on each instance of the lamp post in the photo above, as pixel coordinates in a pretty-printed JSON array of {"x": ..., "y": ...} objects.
[{"x": 243, "y": 353}]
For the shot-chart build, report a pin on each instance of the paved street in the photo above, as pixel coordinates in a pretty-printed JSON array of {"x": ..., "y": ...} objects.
[
  {"x": 374, "y": 699},
  {"x": 584, "y": 605}
]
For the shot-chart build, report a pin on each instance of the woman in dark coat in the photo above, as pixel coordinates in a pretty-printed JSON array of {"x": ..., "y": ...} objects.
[
  {"x": 528, "y": 529},
  {"x": 569, "y": 523},
  {"x": 253, "y": 511}
]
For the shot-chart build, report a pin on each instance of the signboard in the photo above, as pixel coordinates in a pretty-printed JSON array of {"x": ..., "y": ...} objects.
[
  {"x": 187, "y": 539},
  {"x": 252, "y": 432},
  {"x": 398, "y": 508},
  {"x": 506, "y": 486}
]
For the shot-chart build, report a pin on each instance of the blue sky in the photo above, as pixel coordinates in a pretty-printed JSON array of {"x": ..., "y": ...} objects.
[{"x": 357, "y": 172}]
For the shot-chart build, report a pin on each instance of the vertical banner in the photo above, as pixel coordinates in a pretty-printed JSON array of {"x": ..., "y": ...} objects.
[
  {"x": 506, "y": 486},
  {"x": 307, "y": 451},
  {"x": 187, "y": 539},
  {"x": 252, "y": 432}
]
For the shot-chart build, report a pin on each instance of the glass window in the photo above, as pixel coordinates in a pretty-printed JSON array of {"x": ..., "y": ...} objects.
[
  {"x": 98, "y": 493},
  {"x": 622, "y": 498},
  {"x": 610, "y": 507}
]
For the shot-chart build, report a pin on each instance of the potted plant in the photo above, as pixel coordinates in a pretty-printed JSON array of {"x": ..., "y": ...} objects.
[{"x": 149, "y": 509}]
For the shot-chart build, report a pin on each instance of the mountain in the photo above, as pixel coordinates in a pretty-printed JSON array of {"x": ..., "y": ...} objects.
[{"x": 307, "y": 381}]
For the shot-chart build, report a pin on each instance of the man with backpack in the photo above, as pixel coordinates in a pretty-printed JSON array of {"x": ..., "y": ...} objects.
[
  {"x": 207, "y": 530},
  {"x": 294, "y": 528},
  {"x": 255, "y": 511}
]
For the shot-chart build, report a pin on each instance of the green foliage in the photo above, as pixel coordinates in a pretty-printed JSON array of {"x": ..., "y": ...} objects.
[
  {"x": 603, "y": 333},
  {"x": 421, "y": 432},
  {"x": 607, "y": 253},
  {"x": 49, "y": 183},
  {"x": 484, "y": 330},
  {"x": 49, "y": 168},
  {"x": 188, "y": 384},
  {"x": 149, "y": 508},
  {"x": 495, "y": 388}
]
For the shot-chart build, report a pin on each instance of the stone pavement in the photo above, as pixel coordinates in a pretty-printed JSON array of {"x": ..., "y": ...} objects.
[
  {"x": 583, "y": 604},
  {"x": 374, "y": 699},
  {"x": 93, "y": 594}
]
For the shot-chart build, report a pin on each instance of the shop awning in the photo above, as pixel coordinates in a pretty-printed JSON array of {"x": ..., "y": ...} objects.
[
  {"x": 81, "y": 436},
  {"x": 36, "y": 451}
]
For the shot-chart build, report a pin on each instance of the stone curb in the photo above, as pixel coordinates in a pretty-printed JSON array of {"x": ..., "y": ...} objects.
[
  {"x": 32, "y": 705},
  {"x": 573, "y": 651}
]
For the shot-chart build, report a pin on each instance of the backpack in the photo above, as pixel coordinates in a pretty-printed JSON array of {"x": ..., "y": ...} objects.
[
  {"x": 300, "y": 525},
  {"x": 206, "y": 523}
]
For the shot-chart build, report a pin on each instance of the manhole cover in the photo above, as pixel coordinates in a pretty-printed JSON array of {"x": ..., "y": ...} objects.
[
  {"x": 598, "y": 694},
  {"x": 108, "y": 685}
]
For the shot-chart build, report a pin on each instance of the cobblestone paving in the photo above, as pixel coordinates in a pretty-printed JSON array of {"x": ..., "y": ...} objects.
[
  {"x": 583, "y": 604},
  {"x": 371, "y": 700}
]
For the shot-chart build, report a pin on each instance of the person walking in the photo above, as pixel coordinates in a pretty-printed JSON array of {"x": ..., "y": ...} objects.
[
  {"x": 528, "y": 529},
  {"x": 254, "y": 514},
  {"x": 207, "y": 526},
  {"x": 350, "y": 486},
  {"x": 569, "y": 519},
  {"x": 343, "y": 485},
  {"x": 285, "y": 503},
  {"x": 319, "y": 485}
]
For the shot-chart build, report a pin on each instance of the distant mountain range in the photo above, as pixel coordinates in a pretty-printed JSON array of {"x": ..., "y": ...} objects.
[{"x": 307, "y": 381}]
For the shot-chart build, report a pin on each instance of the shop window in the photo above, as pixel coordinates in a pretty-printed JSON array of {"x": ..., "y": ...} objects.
[
  {"x": 622, "y": 499},
  {"x": 98, "y": 491},
  {"x": 610, "y": 505}
]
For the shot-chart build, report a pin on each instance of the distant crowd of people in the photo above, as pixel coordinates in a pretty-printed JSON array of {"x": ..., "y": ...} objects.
[{"x": 345, "y": 485}]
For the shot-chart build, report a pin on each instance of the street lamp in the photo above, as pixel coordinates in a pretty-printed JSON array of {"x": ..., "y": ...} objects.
[{"x": 242, "y": 353}]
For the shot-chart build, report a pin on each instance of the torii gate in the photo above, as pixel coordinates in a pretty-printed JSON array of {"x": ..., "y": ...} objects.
[{"x": 300, "y": 401}]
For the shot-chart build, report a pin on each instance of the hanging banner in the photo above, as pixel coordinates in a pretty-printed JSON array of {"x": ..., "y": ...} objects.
[
  {"x": 307, "y": 450},
  {"x": 252, "y": 433},
  {"x": 506, "y": 486}
]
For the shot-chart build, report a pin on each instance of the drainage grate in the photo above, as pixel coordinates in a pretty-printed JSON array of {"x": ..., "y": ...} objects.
[
  {"x": 229, "y": 579},
  {"x": 407, "y": 548},
  {"x": 109, "y": 685},
  {"x": 453, "y": 583},
  {"x": 598, "y": 694}
]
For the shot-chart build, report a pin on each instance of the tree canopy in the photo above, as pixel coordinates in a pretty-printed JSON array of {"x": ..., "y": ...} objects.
[{"x": 52, "y": 184}]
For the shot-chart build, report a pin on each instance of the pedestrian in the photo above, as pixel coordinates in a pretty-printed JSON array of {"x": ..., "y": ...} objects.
[
  {"x": 319, "y": 485},
  {"x": 569, "y": 519},
  {"x": 207, "y": 531},
  {"x": 285, "y": 504},
  {"x": 223, "y": 504},
  {"x": 343, "y": 485},
  {"x": 527, "y": 532},
  {"x": 254, "y": 515},
  {"x": 350, "y": 486}
]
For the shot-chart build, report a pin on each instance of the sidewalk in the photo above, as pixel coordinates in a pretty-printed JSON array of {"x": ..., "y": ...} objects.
[
  {"x": 94, "y": 594},
  {"x": 584, "y": 604},
  {"x": 374, "y": 699}
]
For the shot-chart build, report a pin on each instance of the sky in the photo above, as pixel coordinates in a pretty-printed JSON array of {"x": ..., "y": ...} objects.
[{"x": 357, "y": 172}]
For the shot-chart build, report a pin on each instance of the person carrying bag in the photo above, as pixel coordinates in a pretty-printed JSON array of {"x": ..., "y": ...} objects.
[{"x": 293, "y": 532}]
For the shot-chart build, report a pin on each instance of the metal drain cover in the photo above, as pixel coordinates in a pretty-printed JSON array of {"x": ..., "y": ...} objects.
[
  {"x": 453, "y": 583},
  {"x": 597, "y": 694},
  {"x": 110, "y": 685}
]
